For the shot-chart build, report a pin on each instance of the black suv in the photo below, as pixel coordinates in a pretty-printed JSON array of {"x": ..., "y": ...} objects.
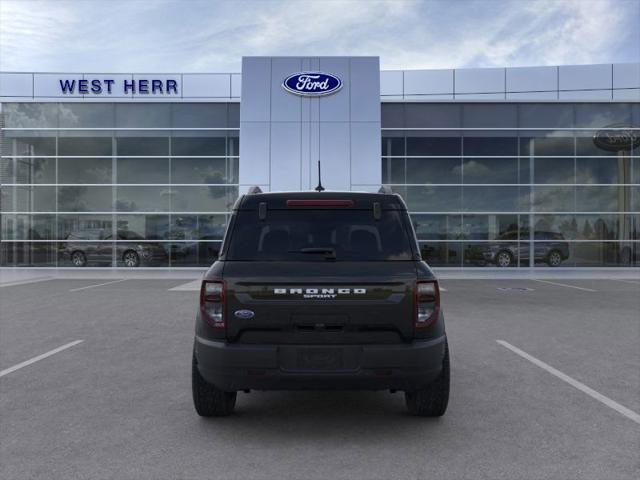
[{"x": 320, "y": 291}]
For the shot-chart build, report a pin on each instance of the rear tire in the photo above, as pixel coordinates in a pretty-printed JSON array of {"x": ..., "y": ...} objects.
[
  {"x": 78, "y": 259},
  {"x": 131, "y": 259},
  {"x": 504, "y": 259},
  {"x": 208, "y": 400},
  {"x": 432, "y": 400},
  {"x": 554, "y": 259}
]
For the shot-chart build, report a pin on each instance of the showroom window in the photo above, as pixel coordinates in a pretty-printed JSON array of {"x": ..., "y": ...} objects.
[
  {"x": 507, "y": 185},
  {"x": 83, "y": 184}
]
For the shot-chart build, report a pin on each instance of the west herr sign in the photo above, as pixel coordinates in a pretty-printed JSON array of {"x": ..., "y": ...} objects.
[{"x": 97, "y": 86}]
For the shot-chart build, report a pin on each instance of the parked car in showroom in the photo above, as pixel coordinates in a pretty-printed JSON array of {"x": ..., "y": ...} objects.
[
  {"x": 95, "y": 246},
  {"x": 548, "y": 247}
]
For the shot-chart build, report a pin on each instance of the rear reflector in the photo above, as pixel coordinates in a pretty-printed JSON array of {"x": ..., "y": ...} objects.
[{"x": 320, "y": 203}]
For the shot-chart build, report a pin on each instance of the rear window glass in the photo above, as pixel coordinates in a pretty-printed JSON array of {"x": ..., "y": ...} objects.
[
  {"x": 548, "y": 236},
  {"x": 86, "y": 235},
  {"x": 127, "y": 235},
  {"x": 319, "y": 235}
]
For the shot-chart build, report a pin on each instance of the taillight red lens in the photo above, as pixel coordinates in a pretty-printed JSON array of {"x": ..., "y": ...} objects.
[
  {"x": 212, "y": 302},
  {"x": 320, "y": 203},
  {"x": 427, "y": 303}
]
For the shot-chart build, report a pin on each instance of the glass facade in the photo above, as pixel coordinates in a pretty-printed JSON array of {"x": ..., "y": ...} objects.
[
  {"x": 151, "y": 184},
  {"x": 116, "y": 184},
  {"x": 512, "y": 185}
]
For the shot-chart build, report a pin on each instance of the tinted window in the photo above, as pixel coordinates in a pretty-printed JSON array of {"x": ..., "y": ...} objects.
[
  {"x": 393, "y": 146},
  {"x": 127, "y": 235},
  {"x": 86, "y": 115},
  {"x": 288, "y": 236},
  {"x": 490, "y": 146},
  {"x": 432, "y": 146},
  {"x": 28, "y": 146},
  {"x": 84, "y": 170},
  {"x": 198, "y": 146},
  {"x": 199, "y": 115},
  {"x": 143, "y": 146},
  {"x": 87, "y": 235},
  {"x": 90, "y": 146}
]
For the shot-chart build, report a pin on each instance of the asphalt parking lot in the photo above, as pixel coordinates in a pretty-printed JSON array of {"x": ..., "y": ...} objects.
[{"x": 118, "y": 404}]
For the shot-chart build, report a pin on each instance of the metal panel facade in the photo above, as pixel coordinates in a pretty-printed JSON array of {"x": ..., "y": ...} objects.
[{"x": 342, "y": 130}]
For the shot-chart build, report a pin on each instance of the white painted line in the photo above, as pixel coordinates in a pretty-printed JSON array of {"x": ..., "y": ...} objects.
[
  {"x": 564, "y": 285},
  {"x": 25, "y": 281},
  {"x": 193, "y": 286},
  {"x": 625, "y": 281},
  {"x": 38, "y": 358},
  {"x": 574, "y": 383},
  {"x": 515, "y": 289},
  {"x": 98, "y": 285}
]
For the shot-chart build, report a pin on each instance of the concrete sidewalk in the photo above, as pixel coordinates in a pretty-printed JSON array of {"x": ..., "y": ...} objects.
[{"x": 28, "y": 275}]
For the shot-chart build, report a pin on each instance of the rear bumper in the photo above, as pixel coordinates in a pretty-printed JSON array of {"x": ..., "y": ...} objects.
[{"x": 233, "y": 367}]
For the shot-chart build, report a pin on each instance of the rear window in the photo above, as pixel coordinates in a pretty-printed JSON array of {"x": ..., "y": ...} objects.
[
  {"x": 548, "y": 236},
  {"x": 319, "y": 235},
  {"x": 86, "y": 235},
  {"x": 128, "y": 235}
]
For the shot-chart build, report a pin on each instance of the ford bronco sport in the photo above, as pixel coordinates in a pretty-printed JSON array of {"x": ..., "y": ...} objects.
[{"x": 320, "y": 291}]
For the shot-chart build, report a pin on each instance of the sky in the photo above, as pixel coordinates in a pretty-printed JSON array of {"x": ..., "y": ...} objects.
[{"x": 154, "y": 36}]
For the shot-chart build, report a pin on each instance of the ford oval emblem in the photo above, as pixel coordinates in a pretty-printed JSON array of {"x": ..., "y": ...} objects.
[
  {"x": 312, "y": 84},
  {"x": 244, "y": 314},
  {"x": 616, "y": 138}
]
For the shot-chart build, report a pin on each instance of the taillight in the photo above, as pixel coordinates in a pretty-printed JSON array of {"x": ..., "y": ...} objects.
[
  {"x": 212, "y": 302},
  {"x": 427, "y": 303},
  {"x": 320, "y": 203}
]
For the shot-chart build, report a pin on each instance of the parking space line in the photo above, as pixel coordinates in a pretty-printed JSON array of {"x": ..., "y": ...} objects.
[
  {"x": 25, "y": 281},
  {"x": 625, "y": 281},
  {"x": 98, "y": 285},
  {"x": 38, "y": 358},
  {"x": 564, "y": 285},
  {"x": 191, "y": 286},
  {"x": 574, "y": 383}
]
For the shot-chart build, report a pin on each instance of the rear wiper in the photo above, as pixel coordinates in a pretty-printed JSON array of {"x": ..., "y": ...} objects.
[{"x": 330, "y": 253}]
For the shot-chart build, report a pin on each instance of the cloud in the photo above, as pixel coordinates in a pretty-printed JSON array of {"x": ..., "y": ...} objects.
[{"x": 213, "y": 36}]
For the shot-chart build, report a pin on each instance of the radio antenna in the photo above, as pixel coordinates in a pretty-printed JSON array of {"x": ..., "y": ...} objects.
[{"x": 319, "y": 188}]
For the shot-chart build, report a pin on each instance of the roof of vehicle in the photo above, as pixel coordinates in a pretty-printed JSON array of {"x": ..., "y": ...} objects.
[{"x": 361, "y": 200}]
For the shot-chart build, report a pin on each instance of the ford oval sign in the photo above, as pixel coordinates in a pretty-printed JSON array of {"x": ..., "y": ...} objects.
[
  {"x": 616, "y": 138},
  {"x": 312, "y": 84},
  {"x": 244, "y": 314}
]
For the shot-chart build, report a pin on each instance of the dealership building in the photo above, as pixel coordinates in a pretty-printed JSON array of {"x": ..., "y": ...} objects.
[{"x": 499, "y": 167}]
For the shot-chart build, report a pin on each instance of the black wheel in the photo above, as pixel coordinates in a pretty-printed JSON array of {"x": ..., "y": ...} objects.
[
  {"x": 554, "y": 259},
  {"x": 78, "y": 259},
  {"x": 432, "y": 401},
  {"x": 504, "y": 259},
  {"x": 208, "y": 400},
  {"x": 130, "y": 259}
]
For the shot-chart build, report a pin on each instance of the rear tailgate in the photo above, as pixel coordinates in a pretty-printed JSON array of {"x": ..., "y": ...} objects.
[{"x": 319, "y": 302}]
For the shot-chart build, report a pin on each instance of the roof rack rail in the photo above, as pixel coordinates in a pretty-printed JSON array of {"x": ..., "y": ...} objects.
[
  {"x": 253, "y": 190},
  {"x": 385, "y": 189}
]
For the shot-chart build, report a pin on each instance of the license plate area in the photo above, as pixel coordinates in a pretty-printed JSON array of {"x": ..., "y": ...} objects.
[{"x": 318, "y": 359}]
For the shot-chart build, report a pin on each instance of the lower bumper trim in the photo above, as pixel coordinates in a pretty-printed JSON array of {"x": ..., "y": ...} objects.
[{"x": 233, "y": 367}]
